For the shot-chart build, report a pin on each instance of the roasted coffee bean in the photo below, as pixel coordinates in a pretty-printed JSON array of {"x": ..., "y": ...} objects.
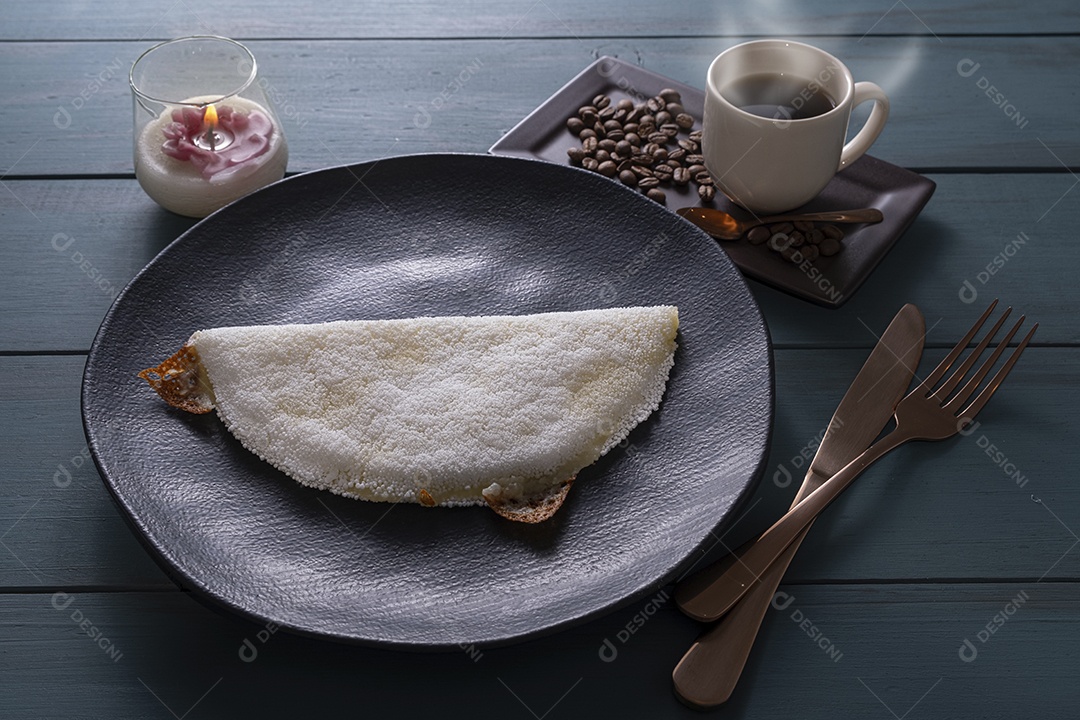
[
  {"x": 797, "y": 238},
  {"x": 695, "y": 136},
  {"x": 703, "y": 178},
  {"x": 829, "y": 246},
  {"x": 650, "y": 148},
  {"x": 791, "y": 254},
  {"x": 601, "y": 101},
  {"x": 575, "y": 125},
  {"x": 695, "y": 169},
  {"x": 706, "y": 193},
  {"x": 669, "y": 95},
  {"x": 647, "y": 183},
  {"x": 588, "y": 115},
  {"x": 632, "y": 137},
  {"x": 590, "y": 163},
  {"x": 785, "y": 228},
  {"x": 663, "y": 117},
  {"x": 684, "y": 120},
  {"x": 677, "y": 154},
  {"x": 625, "y": 104},
  {"x": 616, "y": 134},
  {"x": 623, "y": 147},
  {"x": 831, "y": 231},
  {"x": 607, "y": 113},
  {"x": 815, "y": 236},
  {"x": 607, "y": 144},
  {"x": 674, "y": 108},
  {"x": 655, "y": 104},
  {"x": 598, "y": 128},
  {"x": 657, "y": 194},
  {"x": 779, "y": 241},
  {"x": 689, "y": 146},
  {"x": 630, "y": 127},
  {"x": 619, "y": 116},
  {"x": 641, "y": 171},
  {"x": 642, "y": 160},
  {"x": 694, "y": 159},
  {"x": 628, "y": 178},
  {"x": 681, "y": 176},
  {"x": 607, "y": 168},
  {"x": 647, "y": 120},
  {"x": 804, "y": 226},
  {"x": 589, "y": 145},
  {"x": 576, "y": 155},
  {"x": 602, "y": 156},
  {"x": 587, "y": 133},
  {"x": 635, "y": 114},
  {"x": 661, "y": 154},
  {"x": 624, "y": 165},
  {"x": 659, "y": 138},
  {"x": 670, "y": 129},
  {"x": 758, "y": 235},
  {"x": 646, "y": 129},
  {"x": 610, "y": 125},
  {"x": 663, "y": 171},
  {"x": 810, "y": 252}
]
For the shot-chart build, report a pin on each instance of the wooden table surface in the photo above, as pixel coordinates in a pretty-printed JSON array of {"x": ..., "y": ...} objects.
[{"x": 972, "y": 539}]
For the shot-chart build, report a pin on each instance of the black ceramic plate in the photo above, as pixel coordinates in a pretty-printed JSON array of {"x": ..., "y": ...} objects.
[
  {"x": 900, "y": 194},
  {"x": 431, "y": 235}
]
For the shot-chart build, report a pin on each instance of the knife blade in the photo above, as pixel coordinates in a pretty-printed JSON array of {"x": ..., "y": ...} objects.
[{"x": 708, "y": 672}]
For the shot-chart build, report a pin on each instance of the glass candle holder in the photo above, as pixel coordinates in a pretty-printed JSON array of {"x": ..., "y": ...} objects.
[{"x": 205, "y": 132}]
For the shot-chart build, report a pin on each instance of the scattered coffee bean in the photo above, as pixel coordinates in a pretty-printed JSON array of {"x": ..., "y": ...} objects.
[
  {"x": 623, "y": 148},
  {"x": 831, "y": 231},
  {"x": 601, "y": 101},
  {"x": 677, "y": 154},
  {"x": 606, "y": 114},
  {"x": 625, "y": 104},
  {"x": 661, "y": 154},
  {"x": 703, "y": 178},
  {"x": 657, "y": 194},
  {"x": 758, "y": 235},
  {"x": 655, "y": 104},
  {"x": 588, "y": 116},
  {"x": 810, "y": 252},
  {"x": 590, "y": 163},
  {"x": 797, "y": 239},
  {"x": 633, "y": 138},
  {"x": 695, "y": 169},
  {"x": 576, "y": 155},
  {"x": 694, "y": 159},
  {"x": 670, "y": 129},
  {"x": 815, "y": 236},
  {"x": 616, "y": 134},
  {"x": 598, "y": 128},
  {"x": 785, "y": 228},
  {"x": 575, "y": 125},
  {"x": 791, "y": 254},
  {"x": 626, "y": 177},
  {"x": 589, "y": 145},
  {"x": 706, "y": 193},
  {"x": 602, "y": 155},
  {"x": 804, "y": 226},
  {"x": 646, "y": 129},
  {"x": 641, "y": 171},
  {"x": 829, "y": 246},
  {"x": 607, "y": 169},
  {"x": 607, "y": 144},
  {"x": 681, "y": 176},
  {"x": 663, "y": 117},
  {"x": 663, "y": 171},
  {"x": 695, "y": 136},
  {"x": 650, "y": 148},
  {"x": 587, "y": 133},
  {"x": 684, "y": 120},
  {"x": 675, "y": 109},
  {"x": 642, "y": 159},
  {"x": 647, "y": 183},
  {"x": 669, "y": 95}
]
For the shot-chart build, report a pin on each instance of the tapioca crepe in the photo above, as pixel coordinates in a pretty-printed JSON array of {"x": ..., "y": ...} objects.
[{"x": 502, "y": 410}]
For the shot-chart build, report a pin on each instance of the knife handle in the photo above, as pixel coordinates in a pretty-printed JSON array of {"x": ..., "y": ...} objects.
[
  {"x": 708, "y": 672},
  {"x": 713, "y": 591}
]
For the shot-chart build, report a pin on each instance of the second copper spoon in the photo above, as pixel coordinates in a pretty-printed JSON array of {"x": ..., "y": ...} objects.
[{"x": 723, "y": 226}]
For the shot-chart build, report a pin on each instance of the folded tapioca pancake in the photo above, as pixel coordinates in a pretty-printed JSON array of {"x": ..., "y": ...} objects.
[{"x": 435, "y": 410}]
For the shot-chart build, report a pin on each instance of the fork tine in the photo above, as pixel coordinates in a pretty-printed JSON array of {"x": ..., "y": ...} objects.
[
  {"x": 972, "y": 385},
  {"x": 939, "y": 372},
  {"x": 942, "y": 393},
  {"x": 977, "y": 404}
]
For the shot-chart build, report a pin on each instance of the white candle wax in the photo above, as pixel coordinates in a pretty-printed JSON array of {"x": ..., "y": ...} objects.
[{"x": 179, "y": 185}]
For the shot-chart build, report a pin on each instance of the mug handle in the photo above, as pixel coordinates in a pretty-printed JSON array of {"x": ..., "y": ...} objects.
[{"x": 859, "y": 144}]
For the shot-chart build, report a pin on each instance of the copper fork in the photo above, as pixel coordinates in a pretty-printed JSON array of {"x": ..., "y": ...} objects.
[{"x": 929, "y": 412}]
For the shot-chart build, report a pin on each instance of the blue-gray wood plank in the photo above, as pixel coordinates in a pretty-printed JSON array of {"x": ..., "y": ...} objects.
[{"x": 927, "y": 550}]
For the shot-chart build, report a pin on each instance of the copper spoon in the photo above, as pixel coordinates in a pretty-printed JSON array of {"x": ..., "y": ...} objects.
[{"x": 723, "y": 226}]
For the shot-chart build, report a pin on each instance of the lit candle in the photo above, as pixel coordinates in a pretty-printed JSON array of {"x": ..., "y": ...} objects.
[{"x": 196, "y": 157}]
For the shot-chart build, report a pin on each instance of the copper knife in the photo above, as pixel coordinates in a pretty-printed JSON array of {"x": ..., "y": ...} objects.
[{"x": 708, "y": 672}]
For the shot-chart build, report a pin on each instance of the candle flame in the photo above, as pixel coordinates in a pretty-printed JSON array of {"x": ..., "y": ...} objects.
[{"x": 210, "y": 117}]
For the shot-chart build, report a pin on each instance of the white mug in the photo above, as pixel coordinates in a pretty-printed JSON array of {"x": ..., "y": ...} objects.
[{"x": 770, "y": 164}]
